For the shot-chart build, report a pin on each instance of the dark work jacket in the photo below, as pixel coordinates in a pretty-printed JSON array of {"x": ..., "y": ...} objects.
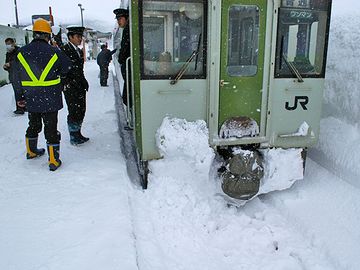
[
  {"x": 40, "y": 99},
  {"x": 104, "y": 57},
  {"x": 125, "y": 48},
  {"x": 75, "y": 80},
  {"x": 9, "y": 58}
]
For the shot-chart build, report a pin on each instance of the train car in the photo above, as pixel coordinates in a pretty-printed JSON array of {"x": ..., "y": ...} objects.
[{"x": 254, "y": 70}]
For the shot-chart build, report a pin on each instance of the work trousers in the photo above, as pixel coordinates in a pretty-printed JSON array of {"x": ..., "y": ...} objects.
[
  {"x": 104, "y": 75},
  {"x": 18, "y": 108},
  {"x": 124, "y": 94},
  {"x": 50, "y": 120},
  {"x": 76, "y": 103}
]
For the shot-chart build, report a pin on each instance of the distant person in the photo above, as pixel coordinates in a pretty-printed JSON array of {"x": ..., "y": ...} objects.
[
  {"x": 76, "y": 85},
  {"x": 122, "y": 16},
  {"x": 103, "y": 60},
  {"x": 39, "y": 69},
  {"x": 11, "y": 51}
]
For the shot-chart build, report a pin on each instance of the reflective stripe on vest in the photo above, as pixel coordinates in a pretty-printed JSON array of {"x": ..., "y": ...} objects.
[{"x": 35, "y": 81}]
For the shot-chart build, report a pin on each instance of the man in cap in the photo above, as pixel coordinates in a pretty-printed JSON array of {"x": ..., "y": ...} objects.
[
  {"x": 76, "y": 85},
  {"x": 38, "y": 77},
  {"x": 103, "y": 60},
  {"x": 122, "y": 17}
]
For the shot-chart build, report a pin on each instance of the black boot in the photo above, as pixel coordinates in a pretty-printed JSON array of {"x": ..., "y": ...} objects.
[
  {"x": 31, "y": 148},
  {"x": 19, "y": 111},
  {"x": 74, "y": 130},
  {"x": 75, "y": 138},
  {"x": 54, "y": 154}
]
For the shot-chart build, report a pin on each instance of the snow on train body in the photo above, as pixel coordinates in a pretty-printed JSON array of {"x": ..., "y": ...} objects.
[{"x": 252, "y": 69}]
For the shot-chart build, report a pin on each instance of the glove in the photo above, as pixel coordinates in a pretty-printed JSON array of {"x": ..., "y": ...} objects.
[
  {"x": 65, "y": 82},
  {"x": 6, "y": 66},
  {"x": 85, "y": 85},
  {"x": 66, "y": 87},
  {"x": 21, "y": 103}
]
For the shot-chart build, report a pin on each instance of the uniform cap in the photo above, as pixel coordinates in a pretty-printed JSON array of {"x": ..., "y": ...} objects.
[
  {"x": 121, "y": 12},
  {"x": 41, "y": 25},
  {"x": 75, "y": 30}
]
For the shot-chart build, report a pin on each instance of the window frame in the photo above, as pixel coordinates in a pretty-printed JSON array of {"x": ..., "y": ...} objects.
[
  {"x": 204, "y": 38},
  {"x": 229, "y": 49},
  {"x": 277, "y": 74}
]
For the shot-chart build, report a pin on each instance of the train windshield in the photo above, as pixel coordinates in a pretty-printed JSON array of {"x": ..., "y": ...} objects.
[
  {"x": 172, "y": 34},
  {"x": 302, "y": 38}
]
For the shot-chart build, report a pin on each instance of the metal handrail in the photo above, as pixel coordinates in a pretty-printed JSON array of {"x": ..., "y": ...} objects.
[{"x": 129, "y": 117}]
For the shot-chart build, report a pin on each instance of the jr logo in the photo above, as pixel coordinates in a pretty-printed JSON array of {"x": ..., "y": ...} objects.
[{"x": 302, "y": 100}]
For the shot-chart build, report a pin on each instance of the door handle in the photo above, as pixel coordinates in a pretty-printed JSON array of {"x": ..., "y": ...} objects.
[{"x": 223, "y": 83}]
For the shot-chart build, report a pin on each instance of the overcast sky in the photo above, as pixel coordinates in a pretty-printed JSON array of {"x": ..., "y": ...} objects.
[
  {"x": 64, "y": 11},
  {"x": 67, "y": 11}
]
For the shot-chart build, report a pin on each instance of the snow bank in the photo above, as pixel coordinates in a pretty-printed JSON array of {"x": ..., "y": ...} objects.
[
  {"x": 177, "y": 138},
  {"x": 342, "y": 93},
  {"x": 282, "y": 169},
  {"x": 181, "y": 222},
  {"x": 338, "y": 147},
  {"x": 341, "y": 141}
]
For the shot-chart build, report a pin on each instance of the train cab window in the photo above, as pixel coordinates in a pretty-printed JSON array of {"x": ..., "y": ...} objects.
[
  {"x": 172, "y": 34},
  {"x": 243, "y": 40},
  {"x": 302, "y": 39}
]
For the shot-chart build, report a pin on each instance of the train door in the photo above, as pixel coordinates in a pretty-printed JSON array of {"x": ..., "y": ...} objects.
[
  {"x": 242, "y": 59},
  {"x": 300, "y": 61},
  {"x": 171, "y": 72}
]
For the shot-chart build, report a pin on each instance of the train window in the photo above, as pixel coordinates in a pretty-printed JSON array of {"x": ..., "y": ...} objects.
[
  {"x": 301, "y": 41},
  {"x": 243, "y": 40},
  {"x": 172, "y": 34}
]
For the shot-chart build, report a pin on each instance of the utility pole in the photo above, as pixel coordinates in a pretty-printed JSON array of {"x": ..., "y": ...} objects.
[
  {"x": 82, "y": 24},
  {"x": 81, "y": 12},
  {"x": 16, "y": 15}
]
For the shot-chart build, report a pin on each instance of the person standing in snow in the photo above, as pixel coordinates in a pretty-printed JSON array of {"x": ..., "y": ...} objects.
[
  {"x": 122, "y": 17},
  {"x": 75, "y": 85},
  {"x": 103, "y": 60},
  {"x": 11, "y": 52},
  {"x": 39, "y": 68}
]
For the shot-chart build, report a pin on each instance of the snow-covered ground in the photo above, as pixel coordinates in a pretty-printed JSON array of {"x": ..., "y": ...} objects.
[
  {"x": 76, "y": 217},
  {"x": 89, "y": 215}
]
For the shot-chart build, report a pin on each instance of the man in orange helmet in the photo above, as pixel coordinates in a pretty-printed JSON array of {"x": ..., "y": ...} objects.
[{"x": 39, "y": 69}]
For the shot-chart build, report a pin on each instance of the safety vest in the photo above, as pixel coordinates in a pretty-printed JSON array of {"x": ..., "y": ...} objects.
[{"x": 35, "y": 81}]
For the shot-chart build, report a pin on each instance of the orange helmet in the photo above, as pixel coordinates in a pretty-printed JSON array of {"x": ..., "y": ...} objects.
[{"x": 41, "y": 25}]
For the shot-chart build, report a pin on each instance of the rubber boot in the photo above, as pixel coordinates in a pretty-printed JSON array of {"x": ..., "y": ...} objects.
[
  {"x": 19, "y": 111},
  {"x": 54, "y": 154},
  {"x": 74, "y": 130},
  {"x": 31, "y": 148}
]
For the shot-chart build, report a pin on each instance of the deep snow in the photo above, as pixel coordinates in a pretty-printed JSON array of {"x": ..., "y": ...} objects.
[{"x": 89, "y": 215}]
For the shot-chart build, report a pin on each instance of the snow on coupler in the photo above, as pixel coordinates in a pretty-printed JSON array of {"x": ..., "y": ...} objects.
[
  {"x": 245, "y": 174},
  {"x": 242, "y": 173}
]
